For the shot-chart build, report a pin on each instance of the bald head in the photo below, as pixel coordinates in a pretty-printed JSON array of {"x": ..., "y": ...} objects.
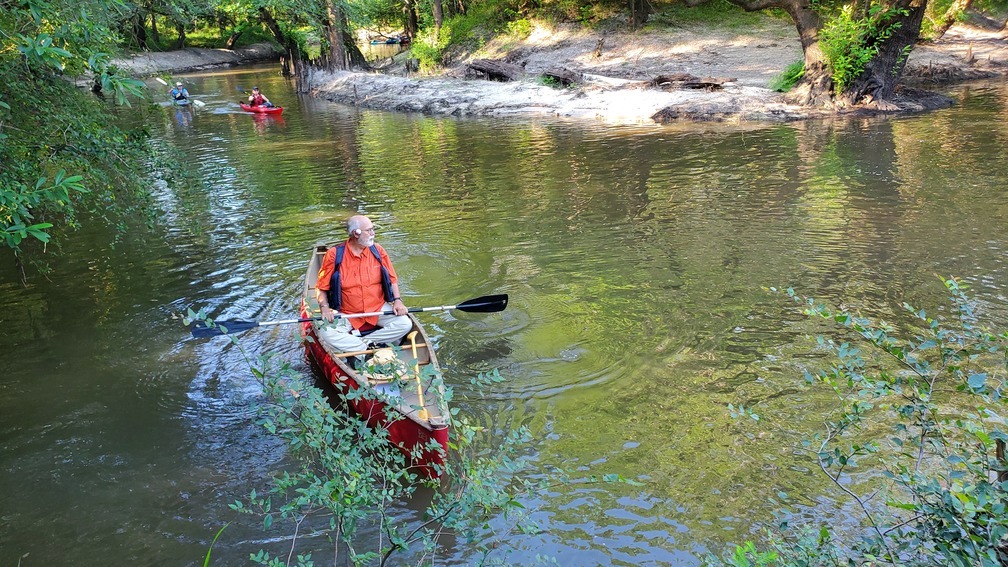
[
  {"x": 358, "y": 222},
  {"x": 360, "y": 230}
]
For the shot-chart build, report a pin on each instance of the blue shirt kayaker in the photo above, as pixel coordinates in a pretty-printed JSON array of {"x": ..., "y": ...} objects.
[{"x": 179, "y": 93}]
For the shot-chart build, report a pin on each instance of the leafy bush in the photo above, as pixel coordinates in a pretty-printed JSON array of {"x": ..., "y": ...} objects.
[
  {"x": 849, "y": 42},
  {"x": 520, "y": 28},
  {"x": 429, "y": 56},
  {"x": 928, "y": 413},
  {"x": 550, "y": 82}
]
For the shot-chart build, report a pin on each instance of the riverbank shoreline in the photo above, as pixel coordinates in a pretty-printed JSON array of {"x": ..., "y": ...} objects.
[
  {"x": 193, "y": 59},
  {"x": 648, "y": 77}
]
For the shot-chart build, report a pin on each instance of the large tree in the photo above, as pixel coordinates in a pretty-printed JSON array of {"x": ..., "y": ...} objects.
[{"x": 854, "y": 52}]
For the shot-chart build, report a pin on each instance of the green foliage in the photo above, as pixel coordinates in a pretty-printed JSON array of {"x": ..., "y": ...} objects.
[
  {"x": 468, "y": 31},
  {"x": 349, "y": 473},
  {"x": 789, "y": 78},
  {"x": 849, "y": 41},
  {"x": 721, "y": 13},
  {"x": 803, "y": 547},
  {"x": 376, "y": 14},
  {"x": 927, "y": 412},
  {"x": 520, "y": 28},
  {"x": 747, "y": 556},
  {"x": 70, "y": 158},
  {"x": 206, "y": 559},
  {"x": 18, "y": 202},
  {"x": 428, "y": 55},
  {"x": 206, "y": 35},
  {"x": 551, "y": 82}
]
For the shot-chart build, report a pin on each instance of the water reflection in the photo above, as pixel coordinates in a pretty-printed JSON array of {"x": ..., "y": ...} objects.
[
  {"x": 635, "y": 259},
  {"x": 184, "y": 117}
]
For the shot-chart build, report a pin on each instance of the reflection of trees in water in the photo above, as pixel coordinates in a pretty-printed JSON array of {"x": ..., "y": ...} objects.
[{"x": 851, "y": 205}]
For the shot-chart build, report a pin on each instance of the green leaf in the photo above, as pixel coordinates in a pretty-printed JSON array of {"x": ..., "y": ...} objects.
[{"x": 977, "y": 381}]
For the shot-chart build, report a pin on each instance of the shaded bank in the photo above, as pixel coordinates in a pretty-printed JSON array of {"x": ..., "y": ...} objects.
[{"x": 196, "y": 59}]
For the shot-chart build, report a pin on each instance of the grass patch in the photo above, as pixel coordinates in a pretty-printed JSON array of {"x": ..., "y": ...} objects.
[
  {"x": 716, "y": 13},
  {"x": 789, "y": 77}
]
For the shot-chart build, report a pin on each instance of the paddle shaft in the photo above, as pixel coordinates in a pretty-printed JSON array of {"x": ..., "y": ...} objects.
[
  {"x": 388, "y": 312},
  {"x": 350, "y": 315},
  {"x": 486, "y": 304},
  {"x": 369, "y": 351}
]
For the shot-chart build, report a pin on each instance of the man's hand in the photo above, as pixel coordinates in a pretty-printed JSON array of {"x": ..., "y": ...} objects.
[
  {"x": 328, "y": 314},
  {"x": 399, "y": 308}
]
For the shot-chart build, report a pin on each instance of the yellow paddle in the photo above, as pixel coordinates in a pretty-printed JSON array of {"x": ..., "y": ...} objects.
[{"x": 416, "y": 368}]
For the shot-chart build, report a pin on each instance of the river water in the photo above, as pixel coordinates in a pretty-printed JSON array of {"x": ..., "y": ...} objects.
[{"x": 637, "y": 261}]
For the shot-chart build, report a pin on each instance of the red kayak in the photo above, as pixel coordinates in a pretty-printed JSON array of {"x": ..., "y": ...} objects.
[
  {"x": 409, "y": 427},
  {"x": 261, "y": 109}
]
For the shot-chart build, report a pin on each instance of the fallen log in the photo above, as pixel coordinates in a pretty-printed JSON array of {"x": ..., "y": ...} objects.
[
  {"x": 681, "y": 81},
  {"x": 564, "y": 76},
  {"x": 495, "y": 70}
]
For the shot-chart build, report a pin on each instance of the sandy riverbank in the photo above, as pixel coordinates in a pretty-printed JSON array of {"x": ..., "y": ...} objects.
[
  {"x": 617, "y": 70},
  {"x": 193, "y": 59}
]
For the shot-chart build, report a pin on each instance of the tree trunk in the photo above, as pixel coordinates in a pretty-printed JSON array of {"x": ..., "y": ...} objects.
[
  {"x": 412, "y": 24},
  {"x": 881, "y": 75},
  {"x": 301, "y": 76},
  {"x": 272, "y": 25},
  {"x": 140, "y": 32},
  {"x": 232, "y": 40},
  {"x": 337, "y": 59},
  {"x": 153, "y": 26},
  {"x": 878, "y": 81},
  {"x": 639, "y": 12},
  {"x": 957, "y": 7},
  {"x": 354, "y": 54},
  {"x": 180, "y": 42},
  {"x": 289, "y": 63},
  {"x": 291, "y": 51},
  {"x": 493, "y": 70},
  {"x": 438, "y": 18},
  {"x": 816, "y": 85}
]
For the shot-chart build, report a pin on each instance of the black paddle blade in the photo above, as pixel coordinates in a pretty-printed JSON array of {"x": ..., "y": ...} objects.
[
  {"x": 485, "y": 304},
  {"x": 200, "y": 329}
]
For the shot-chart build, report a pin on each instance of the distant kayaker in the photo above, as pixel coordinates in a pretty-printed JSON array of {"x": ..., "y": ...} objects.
[
  {"x": 179, "y": 93},
  {"x": 258, "y": 99},
  {"x": 357, "y": 277}
]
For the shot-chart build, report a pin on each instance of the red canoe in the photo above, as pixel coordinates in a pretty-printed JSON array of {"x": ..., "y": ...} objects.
[
  {"x": 261, "y": 109},
  {"x": 410, "y": 428}
]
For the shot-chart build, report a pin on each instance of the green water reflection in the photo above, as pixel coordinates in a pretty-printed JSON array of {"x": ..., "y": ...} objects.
[{"x": 636, "y": 259}]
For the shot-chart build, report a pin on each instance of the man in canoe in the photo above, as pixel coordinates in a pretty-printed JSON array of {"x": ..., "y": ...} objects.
[
  {"x": 258, "y": 99},
  {"x": 357, "y": 277},
  {"x": 179, "y": 93}
]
